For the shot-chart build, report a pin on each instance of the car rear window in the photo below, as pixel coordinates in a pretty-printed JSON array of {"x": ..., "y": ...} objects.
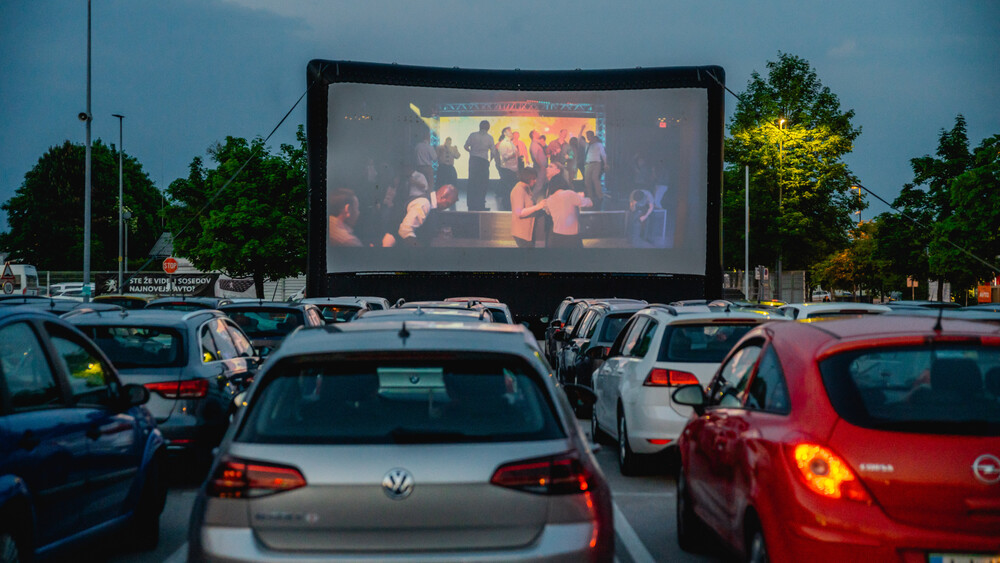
[
  {"x": 178, "y": 306},
  {"x": 386, "y": 401},
  {"x": 266, "y": 323},
  {"x": 339, "y": 313},
  {"x": 935, "y": 390},
  {"x": 700, "y": 343},
  {"x": 139, "y": 346}
]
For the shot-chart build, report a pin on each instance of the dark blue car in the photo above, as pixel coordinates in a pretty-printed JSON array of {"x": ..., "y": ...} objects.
[{"x": 79, "y": 454}]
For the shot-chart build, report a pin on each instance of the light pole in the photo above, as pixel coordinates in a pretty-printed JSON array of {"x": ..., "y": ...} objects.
[
  {"x": 128, "y": 216},
  {"x": 121, "y": 203},
  {"x": 86, "y": 181},
  {"x": 781, "y": 169}
]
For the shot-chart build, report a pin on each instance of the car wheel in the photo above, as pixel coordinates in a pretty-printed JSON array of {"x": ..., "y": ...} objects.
[
  {"x": 756, "y": 548},
  {"x": 691, "y": 530},
  {"x": 628, "y": 462}
]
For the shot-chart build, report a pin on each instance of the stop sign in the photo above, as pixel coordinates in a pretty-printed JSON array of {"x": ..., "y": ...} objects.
[{"x": 170, "y": 265}]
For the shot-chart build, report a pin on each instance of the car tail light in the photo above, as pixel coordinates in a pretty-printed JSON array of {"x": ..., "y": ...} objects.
[
  {"x": 187, "y": 389},
  {"x": 827, "y": 474},
  {"x": 237, "y": 478},
  {"x": 669, "y": 378},
  {"x": 557, "y": 475}
]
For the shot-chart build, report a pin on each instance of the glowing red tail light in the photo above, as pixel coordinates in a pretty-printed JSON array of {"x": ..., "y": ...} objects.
[
  {"x": 825, "y": 473},
  {"x": 660, "y": 377},
  {"x": 556, "y": 475},
  {"x": 237, "y": 478},
  {"x": 187, "y": 389}
]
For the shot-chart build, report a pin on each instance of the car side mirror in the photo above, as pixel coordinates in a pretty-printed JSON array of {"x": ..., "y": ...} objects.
[
  {"x": 580, "y": 395},
  {"x": 692, "y": 396},
  {"x": 133, "y": 395},
  {"x": 598, "y": 352}
]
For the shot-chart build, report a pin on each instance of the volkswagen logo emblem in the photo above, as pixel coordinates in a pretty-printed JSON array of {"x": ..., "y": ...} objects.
[
  {"x": 397, "y": 484},
  {"x": 986, "y": 468}
]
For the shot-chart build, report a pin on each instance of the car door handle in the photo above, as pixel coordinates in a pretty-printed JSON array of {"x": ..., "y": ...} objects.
[
  {"x": 28, "y": 441},
  {"x": 93, "y": 432}
]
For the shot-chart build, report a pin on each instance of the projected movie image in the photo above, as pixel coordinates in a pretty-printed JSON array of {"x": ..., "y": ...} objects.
[{"x": 458, "y": 179}]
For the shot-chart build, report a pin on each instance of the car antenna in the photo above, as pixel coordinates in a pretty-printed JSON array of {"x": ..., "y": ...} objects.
[
  {"x": 937, "y": 326},
  {"x": 403, "y": 333}
]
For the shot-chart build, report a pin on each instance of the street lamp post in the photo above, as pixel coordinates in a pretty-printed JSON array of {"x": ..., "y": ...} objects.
[
  {"x": 127, "y": 216},
  {"x": 121, "y": 203},
  {"x": 781, "y": 169},
  {"x": 86, "y": 180}
]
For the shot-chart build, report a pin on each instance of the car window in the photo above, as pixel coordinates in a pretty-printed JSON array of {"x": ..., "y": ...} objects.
[
  {"x": 941, "y": 389},
  {"x": 768, "y": 390},
  {"x": 266, "y": 323},
  {"x": 632, "y": 337},
  {"x": 733, "y": 377},
  {"x": 701, "y": 343},
  {"x": 585, "y": 324},
  {"x": 223, "y": 347},
  {"x": 30, "y": 381},
  {"x": 315, "y": 319},
  {"x": 403, "y": 399},
  {"x": 89, "y": 376},
  {"x": 339, "y": 313},
  {"x": 616, "y": 346},
  {"x": 138, "y": 346},
  {"x": 243, "y": 346},
  {"x": 645, "y": 340},
  {"x": 612, "y": 326}
]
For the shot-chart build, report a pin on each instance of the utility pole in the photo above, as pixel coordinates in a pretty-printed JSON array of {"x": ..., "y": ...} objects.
[
  {"x": 86, "y": 195},
  {"x": 121, "y": 202}
]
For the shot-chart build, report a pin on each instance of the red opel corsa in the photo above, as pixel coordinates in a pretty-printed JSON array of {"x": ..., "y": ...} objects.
[{"x": 867, "y": 439}]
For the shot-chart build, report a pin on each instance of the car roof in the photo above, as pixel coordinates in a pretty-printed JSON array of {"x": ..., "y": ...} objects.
[
  {"x": 142, "y": 317},
  {"x": 700, "y": 313},
  {"x": 265, "y": 305},
  {"x": 409, "y": 336},
  {"x": 425, "y": 313},
  {"x": 477, "y": 299},
  {"x": 925, "y": 304},
  {"x": 876, "y": 328},
  {"x": 810, "y": 308},
  {"x": 185, "y": 299},
  {"x": 359, "y": 301}
]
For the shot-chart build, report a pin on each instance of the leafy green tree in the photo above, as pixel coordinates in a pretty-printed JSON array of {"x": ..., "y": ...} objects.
[
  {"x": 253, "y": 227},
  {"x": 855, "y": 268},
  {"x": 792, "y": 132},
  {"x": 950, "y": 227},
  {"x": 45, "y": 215}
]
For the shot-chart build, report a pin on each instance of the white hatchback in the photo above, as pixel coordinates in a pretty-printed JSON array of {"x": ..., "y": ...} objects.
[{"x": 661, "y": 348}]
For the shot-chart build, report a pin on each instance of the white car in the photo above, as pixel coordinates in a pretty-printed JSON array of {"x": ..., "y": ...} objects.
[
  {"x": 660, "y": 349},
  {"x": 811, "y": 311}
]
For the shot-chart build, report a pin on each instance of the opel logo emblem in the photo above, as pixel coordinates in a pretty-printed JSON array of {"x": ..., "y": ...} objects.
[
  {"x": 397, "y": 484},
  {"x": 987, "y": 469}
]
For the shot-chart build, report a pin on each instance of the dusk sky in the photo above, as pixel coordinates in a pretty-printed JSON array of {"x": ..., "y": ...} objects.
[{"x": 187, "y": 73}]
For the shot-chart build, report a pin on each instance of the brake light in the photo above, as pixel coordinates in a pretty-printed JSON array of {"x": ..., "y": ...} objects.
[
  {"x": 669, "y": 378},
  {"x": 557, "y": 475},
  {"x": 187, "y": 389},
  {"x": 826, "y": 474},
  {"x": 237, "y": 478}
]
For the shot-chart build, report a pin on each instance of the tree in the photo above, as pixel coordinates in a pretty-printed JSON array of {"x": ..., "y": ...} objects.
[
  {"x": 45, "y": 215},
  {"x": 253, "y": 227},
  {"x": 855, "y": 268},
  {"x": 950, "y": 227},
  {"x": 792, "y": 133}
]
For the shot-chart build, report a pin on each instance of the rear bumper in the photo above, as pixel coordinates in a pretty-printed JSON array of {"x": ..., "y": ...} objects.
[
  {"x": 651, "y": 419},
  {"x": 557, "y": 543}
]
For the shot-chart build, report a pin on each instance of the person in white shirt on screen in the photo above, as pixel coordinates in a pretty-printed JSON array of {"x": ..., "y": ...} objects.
[
  {"x": 426, "y": 156},
  {"x": 506, "y": 167},
  {"x": 420, "y": 212},
  {"x": 481, "y": 150},
  {"x": 563, "y": 205},
  {"x": 595, "y": 165}
]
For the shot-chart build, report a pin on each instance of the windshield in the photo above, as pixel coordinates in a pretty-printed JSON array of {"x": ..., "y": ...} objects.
[
  {"x": 266, "y": 323},
  {"x": 339, "y": 313},
  {"x": 139, "y": 346},
  {"x": 708, "y": 343},
  {"x": 612, "y": 326},
  {"x": 178, "y": 306},
  {"x": 935, "y": 389},
  {"x": 496, "y": 399}
]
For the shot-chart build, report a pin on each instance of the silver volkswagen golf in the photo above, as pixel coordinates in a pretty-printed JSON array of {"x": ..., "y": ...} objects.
[{"x": 414, "y": 441}]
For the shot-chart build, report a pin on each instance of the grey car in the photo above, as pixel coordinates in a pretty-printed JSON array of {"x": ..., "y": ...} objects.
[
  {"x": 404, "y": 442},
  {"x": 193, "y": 363}
]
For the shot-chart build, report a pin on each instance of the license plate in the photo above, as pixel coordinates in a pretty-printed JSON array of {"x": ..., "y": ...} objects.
[{"x": 962, "y": 558}]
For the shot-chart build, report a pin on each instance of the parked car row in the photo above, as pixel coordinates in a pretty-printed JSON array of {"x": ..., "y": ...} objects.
[{"x": 815, "y": 431}]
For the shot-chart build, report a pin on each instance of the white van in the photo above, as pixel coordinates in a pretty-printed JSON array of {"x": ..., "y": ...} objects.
[{"x": 25, "y": 279}]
